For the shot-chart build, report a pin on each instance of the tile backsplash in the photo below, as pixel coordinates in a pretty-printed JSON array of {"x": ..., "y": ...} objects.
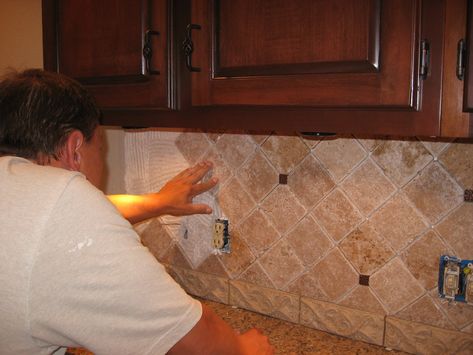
[{"x": 385, "y": 209}]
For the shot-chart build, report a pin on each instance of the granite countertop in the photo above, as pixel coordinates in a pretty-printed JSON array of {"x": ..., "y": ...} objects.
[{"x": 287, "y": 338}]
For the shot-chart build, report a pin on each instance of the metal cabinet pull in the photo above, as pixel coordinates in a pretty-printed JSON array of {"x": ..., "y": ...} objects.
[
  {"x": 461, "y": 59},
  {"x": 188, "y": 46},
  {"x": 148, "y": 52}
]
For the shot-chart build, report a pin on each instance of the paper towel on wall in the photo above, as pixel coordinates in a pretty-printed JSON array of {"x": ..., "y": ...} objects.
[{"x": 152, "y": 159}]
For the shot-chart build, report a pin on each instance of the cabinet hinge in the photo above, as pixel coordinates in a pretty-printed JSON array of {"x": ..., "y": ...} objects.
[
  {"x": 424, "y": 59},
  {"x": 461, "y": 59}
]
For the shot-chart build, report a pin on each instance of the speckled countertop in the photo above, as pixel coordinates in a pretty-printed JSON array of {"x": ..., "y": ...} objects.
[{"x": 287, "y": 338}]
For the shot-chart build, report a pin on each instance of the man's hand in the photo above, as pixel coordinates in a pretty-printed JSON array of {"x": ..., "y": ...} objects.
[{"x": 255, "y": 342}]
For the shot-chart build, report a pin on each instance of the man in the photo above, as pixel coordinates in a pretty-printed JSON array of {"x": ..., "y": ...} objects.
[{"x": 72, "y": 270}]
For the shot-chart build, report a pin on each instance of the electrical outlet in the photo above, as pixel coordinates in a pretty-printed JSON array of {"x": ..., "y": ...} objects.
[
  {"x": 456, "y": 279},
  {"x": 221, "y": 237}
]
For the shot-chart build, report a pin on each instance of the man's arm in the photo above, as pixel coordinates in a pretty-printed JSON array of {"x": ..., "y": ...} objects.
[
  {"x": 175, "y": 198},
  {"x": 212, "y": 335}
]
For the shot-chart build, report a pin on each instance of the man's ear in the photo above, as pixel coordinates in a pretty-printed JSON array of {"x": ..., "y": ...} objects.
[{"x": 70, "y": 157}]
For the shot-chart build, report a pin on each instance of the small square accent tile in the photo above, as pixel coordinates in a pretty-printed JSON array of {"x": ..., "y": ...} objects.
[
  {"x": 395, "y": 286},
  {"x": 283, "y": 208},
  {"x": 347, "y": 322},
  {"x": 337, "y": 215},
  {"x": 339, "y": 156},
  {"x": 283, "y": 179},
  {"x": 434, "y": 192},
  {"x": 401, "y": 160},
  {"x": 284, "y": 152},
  {"x": 367, "y": 187},
  {"x": 309, "y": 182},
  {"x": 258, "y": 176},
  {"x": 281, "y": 254},
  {"x": 398, "y": 222},
  {"x": 192, "y": 145},
  {"x": 468, "y": 195},
  {"x": 457, "y": 230},
  {"x": 458, "y": 160},
  {"x": 235, "y": 148},
  {"x": 364, "y": 280},
  {"x": 308, "y": 241},
  {"x": 235, "y": 201},
  {"x": 363, "y": 299}
]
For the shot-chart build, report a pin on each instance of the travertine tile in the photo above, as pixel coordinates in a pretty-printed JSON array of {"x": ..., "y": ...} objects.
[
  {"x": 398, "y": 222},
  {"x": 343, "y": 321},
  {"x": 202, "y": 285},
  {"x": 461, "y": 314},
  {"x": 240, "y": 257},
  {"x": 434, "y": 192},
  {"x": 219, "y": 170},
  {"x": 425, "y": 311},
  {"x": 395, "y": 286},
  {"x": 212, "y": 265},
  {"x": 319, "y": 281},
  {"x": 284, "y": 152},
  {"x": 401, "y": 159},
  {"x": 256, "y": 275},
  {"x": 308, "y": 241},
  {"x": 274, "y": 303},
  {"x": 457, "y": 230},
  {"x": 258, "y": 232},
  {"x": 156, "y": 238},
  {"x": 422, "y": 259},
  {"x": 258, "y": 176},
  {"x": 192, "y": 145},
  {"x": 281, "y": 255},
  {"x": 363, "y": 299},
  {"x": 235, "y": 201},
  {"x": 367, "y": 187},
  {"x": 418, "y": 338},
  {"x": 174, "y": 256},
  {"x": 337, "y": 215},
  {"x": 311, "y": 142},
  {"x": 259, "y": 137},
  {"x": 283, "y": 208},
  {"x": 458, "y": 160},
  {"x": 369, "y": 143},
  {"x": 235, "y": 148},
  {"x": 436, "y": 145},
  {"x": 366, "y": 250},
  {"x": 468, "y": 329},
  {"x": 309, "y": 182},
  {"x": 214, "y": 135},
  {"x": 340, "y": 155}
]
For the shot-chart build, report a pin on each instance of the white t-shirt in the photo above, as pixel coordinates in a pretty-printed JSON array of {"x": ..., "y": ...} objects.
[{"x": 74, "y": 273}]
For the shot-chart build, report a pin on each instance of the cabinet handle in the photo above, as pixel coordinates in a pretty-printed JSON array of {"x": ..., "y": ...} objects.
[
  {"x": 148, "y": 52},
  {"x": 424, "y": 59},
  {"x": 461, "y": 59},
  {"x": 188, "y": 46}
]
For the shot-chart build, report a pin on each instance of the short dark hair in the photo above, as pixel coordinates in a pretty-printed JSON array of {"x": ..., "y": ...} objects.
[{"x": 39, "y": 109}]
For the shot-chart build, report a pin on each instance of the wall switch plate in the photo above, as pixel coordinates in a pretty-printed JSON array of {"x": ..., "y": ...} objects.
[
  {"x": 456, "y": 279},
  {"x": 221, "y": 237}
]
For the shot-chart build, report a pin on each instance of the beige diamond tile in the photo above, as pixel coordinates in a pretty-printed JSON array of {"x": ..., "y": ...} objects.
[
  {"x": 309, "y": 182},
  {"x": 347, "y": 322},
  {"x": 282, "y": 208},
  {"x": 457, "y": 230},
  {"x": 424, "y": 310},
  {"x": 418, "y": 338},
  {"x": 401, "y": 160},
  {"x": 219, "y": 170},
  {"x": 362, "y": 298},
  {"x": 214, "y": 135},
  {"x": 240, "y": 257},
  {"x": 256, "y": 275},
  {"x": 367, "y": 187},
  {"x": 339, "y": 155},
  {"x": 458, "y": 160},
  {"x": 436, "y": 145},
  {"x": 468, "y": 329},
  {"x": 370, "y": 143},
  {"x": 277, "y": 304},
  {"x": 156, "y": 238},
  {"x": 398, "y": 222},
  {"x": 235, "y": 148},
  {"x": 422, "y": 259},
  {"x": 308, "y": 241},
  {"x": 461, "y": 314},
  {"x": 395, "y": 286},
  {"x": 174, "y": 256},
  {"x": 258, "y": 136},
  {"x": 258, "y": 232},
  {"x": 434, "y": 192},
  {"x": 337, "y": 215},
  {"x": 235, "y": 201},
  {"x": 366, "y": 250},
  {"x": 281, "y": 257},
  {"x": 284, "y": 152},
  {"x": 258, "y": 176},
  {"x": 212, "y": 265},
  {"x": 318, "y": 282},
  {"x": 192, "y": 145}
]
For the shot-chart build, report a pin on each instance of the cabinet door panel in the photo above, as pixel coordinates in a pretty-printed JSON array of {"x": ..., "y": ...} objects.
[
  {"x": 318, "y": 53},
  {"x": 469, "y": 77}
]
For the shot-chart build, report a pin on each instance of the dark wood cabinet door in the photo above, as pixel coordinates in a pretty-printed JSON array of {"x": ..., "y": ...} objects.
[
  {"x": 117, "y": 48},
  {"x": 317, "y": 53},
  {"x": 468, "y": 103}
]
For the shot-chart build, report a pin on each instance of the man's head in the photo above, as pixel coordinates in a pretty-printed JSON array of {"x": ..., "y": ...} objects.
[{"x": 51, "y": 119}]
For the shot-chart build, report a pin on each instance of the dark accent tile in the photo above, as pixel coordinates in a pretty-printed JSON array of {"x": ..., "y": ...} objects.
[
  {"x": 364, "y": 280},
  {"x": 283, "y": 179},
  {"x": 468, "y": 196}
]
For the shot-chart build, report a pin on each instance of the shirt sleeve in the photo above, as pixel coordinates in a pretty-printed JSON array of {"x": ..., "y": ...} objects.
[{"x": 95, "y": 285}]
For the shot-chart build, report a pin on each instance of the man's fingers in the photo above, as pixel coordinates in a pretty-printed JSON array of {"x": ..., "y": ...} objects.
[
  {"x": 197, "y": 189},
  {"x": 198, "y": 171},
  {"x": 198, "y": 208}
]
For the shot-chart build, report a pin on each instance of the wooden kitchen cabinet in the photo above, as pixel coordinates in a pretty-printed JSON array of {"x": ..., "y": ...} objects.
[{"x": 117, "y": 48}]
